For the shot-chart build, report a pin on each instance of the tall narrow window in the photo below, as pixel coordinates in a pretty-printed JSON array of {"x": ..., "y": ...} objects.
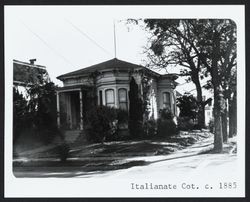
[
  {"x": 123, "y": 101},
  {"x": 110, "y": 97},
  {"x": 100, "y": 98},
  {"x": 166, "y": 100}
]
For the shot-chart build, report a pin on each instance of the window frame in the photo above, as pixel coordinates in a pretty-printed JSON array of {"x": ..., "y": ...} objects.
[
  {"x": 165, "y": 104},
  {"x": 110, "y": 103},
  {"x": 119, "y": 100}
]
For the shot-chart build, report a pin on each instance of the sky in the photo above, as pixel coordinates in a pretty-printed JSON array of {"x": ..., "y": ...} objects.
[{"x": 68, "y": 38}]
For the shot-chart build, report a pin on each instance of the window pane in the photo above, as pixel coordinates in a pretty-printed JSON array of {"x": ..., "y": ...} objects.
[
  {"x": 122, "y": 95},
  {"x": 110, "y": 96},
  {"x": 122, "y": 98},
  {"x": 166, "y": 100},
  {"x": 166, "y": 97}
]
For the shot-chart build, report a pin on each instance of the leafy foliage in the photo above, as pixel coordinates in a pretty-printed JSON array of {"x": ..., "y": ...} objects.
[
  {"x": 150, "y": 128},
  {"x": 37, "y": 113},
  {"x": 20, "y": 118},
  {"x": 174, "y": 42},
  {"x": 185, "y": 123},
  {"x": 188, "y": 106},
  {"x": 43, "y": 111},
  {"x": 166, "y": 125},
  {"x": 122, "y": 116},
  {"x": 207, "y": 48},
  {"x": 100, "y": 123},
  {"x": 146, "y": 85}
]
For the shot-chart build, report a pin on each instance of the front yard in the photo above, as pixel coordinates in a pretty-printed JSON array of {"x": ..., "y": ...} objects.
[{"x": 109, "y": 156}]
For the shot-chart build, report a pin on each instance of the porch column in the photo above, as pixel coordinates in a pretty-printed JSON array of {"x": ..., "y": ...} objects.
[
  {"x": 58, "y": 109},
  {"x": 81, "y": 112}
]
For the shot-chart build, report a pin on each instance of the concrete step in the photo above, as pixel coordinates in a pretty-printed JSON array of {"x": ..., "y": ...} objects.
[{"x": 71, "y": 135}]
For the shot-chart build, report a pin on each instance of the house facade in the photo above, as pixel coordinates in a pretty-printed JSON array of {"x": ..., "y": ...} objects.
[{"x": 108, "y": 84}]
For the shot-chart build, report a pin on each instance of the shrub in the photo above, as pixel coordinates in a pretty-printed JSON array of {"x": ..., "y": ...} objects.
[
  {"x": 100, "y": 123},
  {"x": 165, "y": 124},
  {"x": 166, "y": 114},
  {"x": 122, "y": 117},
  {"x": 185, "y": 123},
  {"x": 135, "y": 128},
  {"x": 166, "y": 127},
  {"x": 150, "y": 128}
]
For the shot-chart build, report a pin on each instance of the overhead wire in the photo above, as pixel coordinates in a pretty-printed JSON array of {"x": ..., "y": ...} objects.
[
  {"x": 48, "y": 45},
  {"x": 88, "y": 37}
]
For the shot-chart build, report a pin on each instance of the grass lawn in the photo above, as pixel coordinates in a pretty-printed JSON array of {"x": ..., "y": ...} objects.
[{"x": 110, "y": 153}]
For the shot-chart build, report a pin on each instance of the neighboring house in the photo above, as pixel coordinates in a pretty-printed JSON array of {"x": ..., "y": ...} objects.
[
  {"x": 108, "y": 84},
  {"x": 178, "y": 94},
  {"x": 208, "y": 107},
  {"x": 28, "y": 74},
  {"x": 208, "y": 110}
]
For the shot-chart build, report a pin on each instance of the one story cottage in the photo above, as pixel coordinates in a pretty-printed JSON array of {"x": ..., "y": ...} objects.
[{"x": 107, "y": 83}]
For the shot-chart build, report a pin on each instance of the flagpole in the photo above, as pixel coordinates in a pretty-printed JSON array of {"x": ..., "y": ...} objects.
[{"x": 114, "y": 39}]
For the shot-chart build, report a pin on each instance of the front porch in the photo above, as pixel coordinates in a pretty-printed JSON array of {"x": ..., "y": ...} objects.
[{"x": 72, "y": 102}]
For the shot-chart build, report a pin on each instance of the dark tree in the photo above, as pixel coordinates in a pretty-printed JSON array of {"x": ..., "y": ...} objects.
[
  {"x": 217, "y": 51},
  {"x": 173, "y": 43},
  {"x": 42, "y": 109},
  {"x": 206, "y": 47},
  {"x": 20, "y": 121},
  {"x": 135, "y": 110},
  {"x": 188, "y": 106}
]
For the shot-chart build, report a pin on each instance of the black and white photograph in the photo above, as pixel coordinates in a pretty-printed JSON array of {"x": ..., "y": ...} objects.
[{"x": 125, "y": 101}]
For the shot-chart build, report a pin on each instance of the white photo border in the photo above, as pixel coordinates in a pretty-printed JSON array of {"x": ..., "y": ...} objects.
[{"x": 116, "y": 187}]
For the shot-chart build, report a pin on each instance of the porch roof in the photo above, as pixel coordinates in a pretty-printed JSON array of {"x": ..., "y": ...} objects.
[{"x": 73, "y": 88}]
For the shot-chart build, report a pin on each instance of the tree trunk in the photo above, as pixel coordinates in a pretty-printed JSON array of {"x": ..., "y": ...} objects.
[
  {"x": 201, "y": 116},
  {"x": 224, "y": 125},
  {"x": 218, "y": 97},
  {"x": 232, "y": 116},
  {"x": 218, "y": 138}
]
